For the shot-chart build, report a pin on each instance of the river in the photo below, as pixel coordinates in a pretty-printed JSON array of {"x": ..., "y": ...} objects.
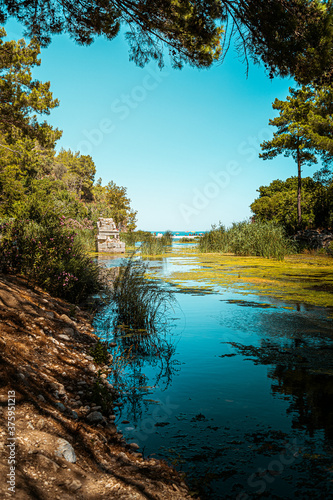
[{"x": 235, "y": 390}]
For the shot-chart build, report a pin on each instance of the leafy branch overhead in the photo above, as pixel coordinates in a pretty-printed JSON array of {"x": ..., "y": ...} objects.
[{"x": 289, "y": 37}]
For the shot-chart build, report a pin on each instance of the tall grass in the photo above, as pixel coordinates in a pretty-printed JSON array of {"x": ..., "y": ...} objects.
[
  {"x": 264, "y": 239},
  {"x": 153, "y": 246},
  {"x": 133, "y": 237},
  {"x": 167, "y": 238},
  {"x": 139, "y": 302}
]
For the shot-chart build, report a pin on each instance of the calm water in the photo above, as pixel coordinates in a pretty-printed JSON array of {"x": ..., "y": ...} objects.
[{"x": 236, "y": 391}]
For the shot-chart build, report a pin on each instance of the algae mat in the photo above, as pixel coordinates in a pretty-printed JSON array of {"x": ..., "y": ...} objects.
[{"x": 298, "y": 278}]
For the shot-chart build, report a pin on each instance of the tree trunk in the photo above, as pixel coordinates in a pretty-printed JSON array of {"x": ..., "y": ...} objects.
[{"x": 299, "y": 189}]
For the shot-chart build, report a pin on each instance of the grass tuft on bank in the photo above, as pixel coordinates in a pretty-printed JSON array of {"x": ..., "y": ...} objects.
[{"x": 140, "y": 302}]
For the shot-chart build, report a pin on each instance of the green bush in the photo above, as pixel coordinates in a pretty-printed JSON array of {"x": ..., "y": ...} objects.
[
  {"x": 100, "y": 353},
  {"x": 49, "y": 255},
  {"x": 263, "y": 239}
]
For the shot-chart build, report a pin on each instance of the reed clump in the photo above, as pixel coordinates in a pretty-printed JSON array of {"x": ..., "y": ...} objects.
[
  {"x": 153, "y": 246},
  {"x": 262, "y": 239},
  {"x": 140, "y": 302},
  {"x": 167, "y": 238}
]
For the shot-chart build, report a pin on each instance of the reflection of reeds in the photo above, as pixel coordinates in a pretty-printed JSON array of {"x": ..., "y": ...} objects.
[
  {"x": 263, "y": 239},
  {"x": 139, "y": 302}
]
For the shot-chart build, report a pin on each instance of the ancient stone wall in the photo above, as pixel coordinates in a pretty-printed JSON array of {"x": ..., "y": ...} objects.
[{"x": 107, "y": 239}]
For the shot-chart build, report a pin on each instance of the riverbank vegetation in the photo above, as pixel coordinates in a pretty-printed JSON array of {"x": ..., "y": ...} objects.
[
  {"x": 264, "y": 239},
  {"x": 139, "y": 302},
  {"x": 49, "y": 200}
]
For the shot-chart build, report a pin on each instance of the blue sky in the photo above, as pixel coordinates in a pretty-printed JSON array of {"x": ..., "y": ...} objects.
[{"x": 184, "y": 143}]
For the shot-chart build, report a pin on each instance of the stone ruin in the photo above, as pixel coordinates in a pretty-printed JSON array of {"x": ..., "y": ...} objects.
[{"x": 107, "y": 239}]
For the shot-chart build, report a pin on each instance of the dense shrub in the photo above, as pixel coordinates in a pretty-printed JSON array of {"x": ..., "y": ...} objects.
[
  {"x": 49, "y": 255},
  {"x": 264, "y": 239}
]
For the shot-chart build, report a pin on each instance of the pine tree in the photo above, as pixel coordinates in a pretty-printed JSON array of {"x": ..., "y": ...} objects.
[{"x": 291, "y": 137}]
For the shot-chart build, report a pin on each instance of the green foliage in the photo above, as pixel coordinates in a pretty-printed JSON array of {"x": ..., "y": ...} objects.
[
  {"x": 77, "y": 171},
  {"x": 291, "y": 137},
  {"x": 101, "y": 396},
  {"x": 262, "y": 239},
  {"x": 100, "y": 353},
  {"x": 167, "y": 238},
  {"x": 139, "y": 302},
  {"x": 278, "y": 203},
  {"x": 153, "y": 246},
  {"x": 133, "y": 237},
  {"x": 214, "y": 240},
  {"x": 290, "y": 39},
  {"x": 21, "y": 96},
  {"x": 48, "y": 255}
]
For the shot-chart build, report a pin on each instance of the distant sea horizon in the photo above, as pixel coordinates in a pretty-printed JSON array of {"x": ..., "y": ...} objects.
[{"x": 180, "y": 234}]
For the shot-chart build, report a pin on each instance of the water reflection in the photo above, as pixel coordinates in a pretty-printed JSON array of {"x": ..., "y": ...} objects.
[
  {"x": 255, "y": 379},
  {"x": 136, "y": 352}
]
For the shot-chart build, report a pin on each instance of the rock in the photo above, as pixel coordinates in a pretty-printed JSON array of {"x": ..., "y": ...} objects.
[
  {"x": 41, "y": 398},
  {"x": 112, "y": 344},
  {"x": 49, "y": 314},
  {"x": 61, "y": 390},
  {"x": 74, "y": 415},
  {"x": 20, "y": 376},
  {"x": 68, "y": 331},
  {"x": 90, "y": 358},
  {"x": 60, "y": 407},
  {"x": 66, "y": 319},
  {"x": 63, "y": 337},
  {"x": 112, "y": 417},
  {"x": 112, "y": 428},
  {"x": 134, "y": 446},
  {"x": 40, "y": 424},
  {"x": 122, "y": 457},
  {"x": 75, "y": 485},
  {"x": 92, "y": 367},
  {"x": 95, "y": 417},
  {"x": 30, "y": 426},
  {"x": 65, "y": 450}
]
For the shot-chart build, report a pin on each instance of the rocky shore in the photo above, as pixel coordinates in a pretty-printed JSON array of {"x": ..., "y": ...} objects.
[{"x": 56, "y": 441}]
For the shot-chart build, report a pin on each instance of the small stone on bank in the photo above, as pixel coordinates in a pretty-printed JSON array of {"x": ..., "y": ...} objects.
[
  {"x": 95, "y": 417},
  {"x": 65, "y": 450}
]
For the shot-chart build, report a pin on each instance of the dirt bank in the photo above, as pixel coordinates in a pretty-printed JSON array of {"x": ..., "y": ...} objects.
[{"x": 55, "y": 442}]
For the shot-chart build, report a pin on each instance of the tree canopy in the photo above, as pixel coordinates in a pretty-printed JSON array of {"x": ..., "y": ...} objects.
[
  {"x": 21, "y": 97},
  {"x": 291, "y": 138},
  {"x": 278, "y": 203},
  {"x": 291, "y": 37}
]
